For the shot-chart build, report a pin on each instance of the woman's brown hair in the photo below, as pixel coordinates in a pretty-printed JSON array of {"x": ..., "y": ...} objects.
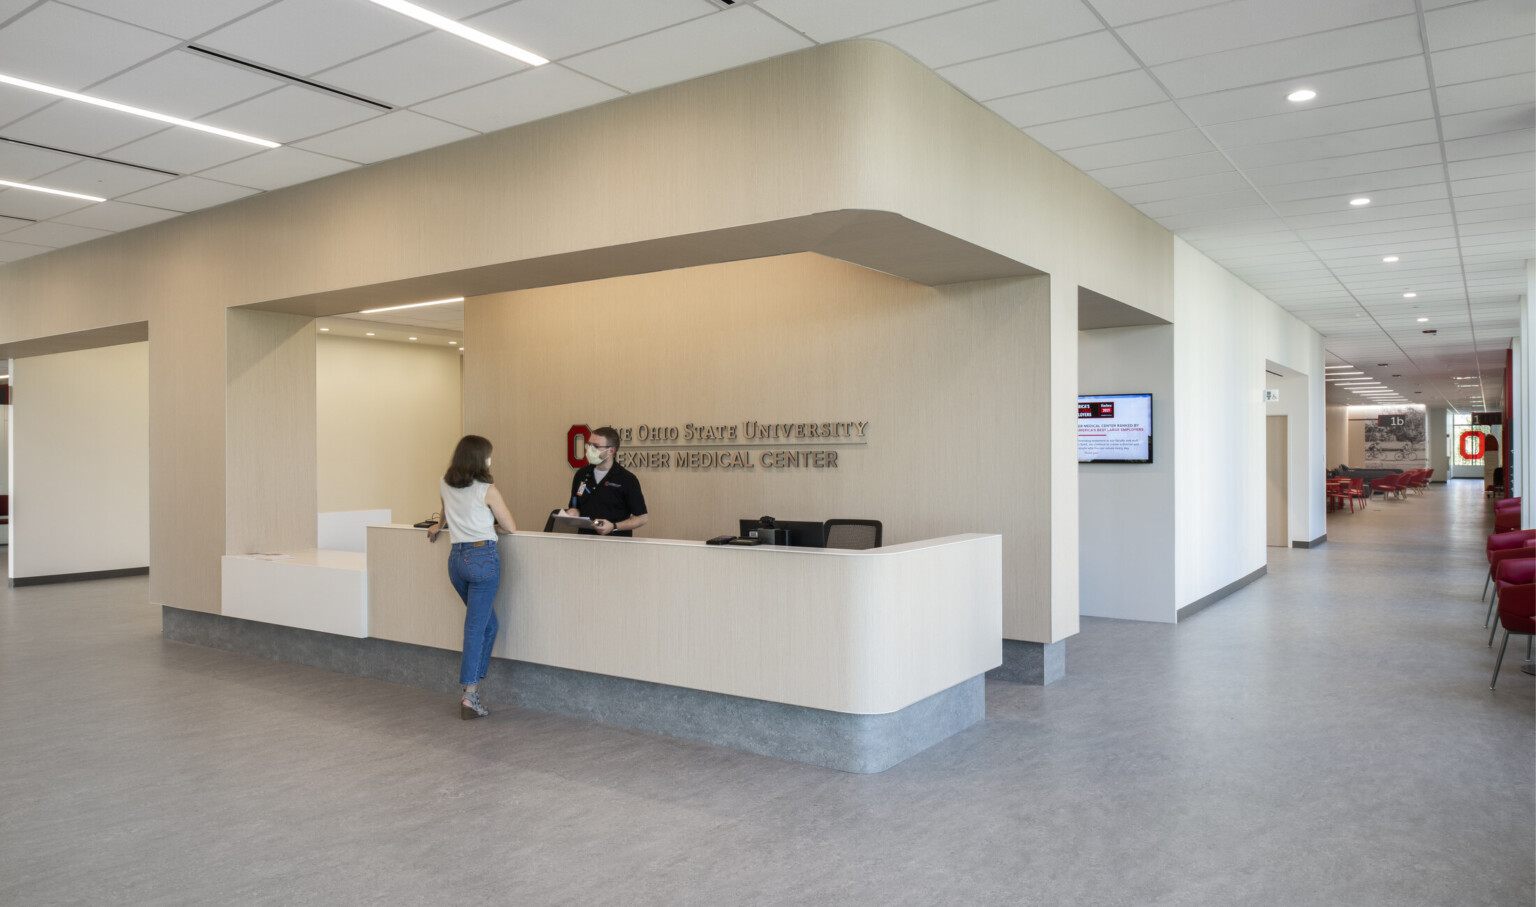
[{"x": 468, "y": 465}]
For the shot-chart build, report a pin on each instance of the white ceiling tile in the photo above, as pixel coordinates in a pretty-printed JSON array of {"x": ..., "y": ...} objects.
[
  {"x": 37, "y": 205},
  {"x": 559, "y": 28},
  {"x": 989, "y": 28},
  {"x": 1379, "y": 138},
  {"x": 1475, "y": 23},
  {"x": 1389, "y": 213},
  {"x": 1186, "y": 203},
  {"x": 825, "y": 22},
  {"x": 8, "y": 224},
  {"x": 695, "y": 48},
  {"x": 1505, "y": 91},
  {"x": 1486, "y": 166},
  {"x": 68, "y": 48},
  {"x": 15, "y": 251},
  {"x": 1527, "y": 212},
  {"x": 16, "y": 103},
  {"x": 103, "y": 179},
  {"x": 1058, "y": 63},
  {"x": 1346, "y": 187},
  {"x": 115, "y": 216},
  {"x": 1390, "y": 199},
  {"x": 1350, "y": 117},
  {"x": 1359, "y": 83},
  {"x": 1111, "y": 127},
  {"x": 1255, "y": 214},
  {"x": 1244, "y": 23},
  {"x": 185, "y": 85},
  {"x": 1132, "y": 151},
  {"x": 54, "y": 235},
  {"x": 1488, "y": 122},
  {"x": 292, "y": 113},
  {"x": 1439, "y": 224},
  {"x": 1490, "y": 145},
  {"x": 1348, "y": 165},
  {"x": 81, "y": 128},
  {"x": 1122, "y": 12},
  {"x": 1383, "y": 40},
  {"x": 1398, "y": 240},
  {"x": 305, "y": 36},
  {"x": 20, "y": 163},
  {"x": 188, "y": 193},
  {"x": 1506, "y": 182},
  {"x": 1116, "y": 92},
  {"x": 522, "y": 98},
  {"x": 1175, "y": 168},
  {"x": 181, "y": 18},
  {"x": 391, "y": 135},
  {"x": 418, "y": 69},
  {"x": 184, "y": 150},
  {"x": 1508, "y": 57},
  {"x": 277, "y": 167}
]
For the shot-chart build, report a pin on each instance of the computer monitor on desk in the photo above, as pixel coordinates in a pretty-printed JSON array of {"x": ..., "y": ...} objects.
[{"x": 802, "y": 533}]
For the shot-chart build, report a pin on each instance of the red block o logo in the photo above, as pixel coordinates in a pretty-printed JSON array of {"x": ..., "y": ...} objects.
[
  {"x": 1474, "y": 450},
  {"x": 576, "y": 446}
]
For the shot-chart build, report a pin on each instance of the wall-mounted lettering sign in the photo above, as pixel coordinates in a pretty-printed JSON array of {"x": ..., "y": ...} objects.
[
  {"x": 1395, "y": 420},
  {"x": 748, "y": 445},
  {"x": 1471, "y": 445},
  {"x": 1487, "y": 418}
]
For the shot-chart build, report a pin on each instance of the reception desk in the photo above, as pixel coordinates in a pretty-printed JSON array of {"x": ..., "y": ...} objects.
[{"x": 852, "y": 659}]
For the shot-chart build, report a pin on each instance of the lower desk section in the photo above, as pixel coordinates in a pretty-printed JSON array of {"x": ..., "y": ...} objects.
[
  {"x": 854, "y": 660},
  {"x": 838, "y": 740}
]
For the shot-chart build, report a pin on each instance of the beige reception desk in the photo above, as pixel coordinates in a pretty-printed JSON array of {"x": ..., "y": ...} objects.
[{"x": 853, "y": 659}]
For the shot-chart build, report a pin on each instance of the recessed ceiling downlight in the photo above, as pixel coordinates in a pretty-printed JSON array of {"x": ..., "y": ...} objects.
[
  {"x": 1390, "y": 258},
  {"x": 1301, "y": 94},
  {"x": 1360, "y": 202}
]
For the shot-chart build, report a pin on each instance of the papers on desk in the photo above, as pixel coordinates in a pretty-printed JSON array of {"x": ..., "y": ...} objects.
[{"x": 563, "y": 523}]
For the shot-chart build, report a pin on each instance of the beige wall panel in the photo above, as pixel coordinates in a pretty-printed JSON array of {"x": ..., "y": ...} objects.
[
  {"x": 270, "y": 501},
  {"x": 82, "y": 447},
  {"x": 388, "y": 417},
  {"x": 846, "y": 126},
  {"x": 949, "y": 378},
  {"x": 186, "y": 454}
]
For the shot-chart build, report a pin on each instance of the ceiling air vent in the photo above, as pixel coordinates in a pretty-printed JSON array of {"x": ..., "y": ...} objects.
[{"x": 727, "y": 4}]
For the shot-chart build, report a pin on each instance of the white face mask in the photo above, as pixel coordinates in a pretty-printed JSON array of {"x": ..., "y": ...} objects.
[{"x": 594, "y": 456}]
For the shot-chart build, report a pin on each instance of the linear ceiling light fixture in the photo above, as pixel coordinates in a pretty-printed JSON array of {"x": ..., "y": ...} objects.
[
  {"x": 462, "y": 30},
  {"x": 89, "y": 198},
  {"x": 136, "y": 111},
  {"x": 412, "y": 305}
]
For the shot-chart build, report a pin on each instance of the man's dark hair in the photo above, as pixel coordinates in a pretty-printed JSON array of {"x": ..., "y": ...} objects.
[{"x": 609, "y": 435}]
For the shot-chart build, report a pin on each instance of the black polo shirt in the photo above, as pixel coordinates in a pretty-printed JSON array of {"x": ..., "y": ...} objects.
[{"x": 618, "y": 497}]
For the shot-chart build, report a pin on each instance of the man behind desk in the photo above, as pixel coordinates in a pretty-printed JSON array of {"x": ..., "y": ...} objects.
[{"x": 606, "y": 492}]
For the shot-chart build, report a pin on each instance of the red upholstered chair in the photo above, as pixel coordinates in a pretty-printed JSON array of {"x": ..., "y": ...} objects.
[
  {"x": 1502, "y": 540},
  {"x": 1509, "y": 565},
  {"x": 1388, "y": 485},
  {"x": 1504, "y": 504},
  {"x": 1517, "y": 614},
  {"x": 1506, "y": 520}
]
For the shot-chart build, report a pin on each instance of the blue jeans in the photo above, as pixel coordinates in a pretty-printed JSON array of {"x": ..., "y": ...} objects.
[{"x": 475, "y": 574}]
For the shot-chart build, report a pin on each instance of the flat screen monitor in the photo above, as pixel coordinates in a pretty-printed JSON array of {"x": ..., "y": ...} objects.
[
  {"x": 1114, "y": 428},
  {"x": 802, "y": 533}
]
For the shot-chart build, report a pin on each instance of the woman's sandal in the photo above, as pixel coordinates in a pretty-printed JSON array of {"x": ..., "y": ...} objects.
[{"x": 471, "y": 706}]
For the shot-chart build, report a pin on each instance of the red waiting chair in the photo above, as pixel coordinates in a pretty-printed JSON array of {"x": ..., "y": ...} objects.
[
  {"x": 1517, "y": 614},
  {"x": 1359, "y": 492},
  {"x": 1512, "y": 565},
  {"x": 1504, "y": 504},
  {"x": 1388, "y": 485},
  {"x": 1502, "y": 540},
  {"x": 1506, "y": 521}
]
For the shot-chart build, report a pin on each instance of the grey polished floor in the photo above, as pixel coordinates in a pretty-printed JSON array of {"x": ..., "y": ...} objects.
[{"x": 1325, "y": 736}]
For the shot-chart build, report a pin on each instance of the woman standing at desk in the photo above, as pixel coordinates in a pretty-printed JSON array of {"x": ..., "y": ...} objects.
[{"x": 474, "y": 511}]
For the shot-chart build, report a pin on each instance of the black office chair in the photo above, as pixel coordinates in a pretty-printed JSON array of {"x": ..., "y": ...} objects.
[{"x": 855, "y": 534}]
